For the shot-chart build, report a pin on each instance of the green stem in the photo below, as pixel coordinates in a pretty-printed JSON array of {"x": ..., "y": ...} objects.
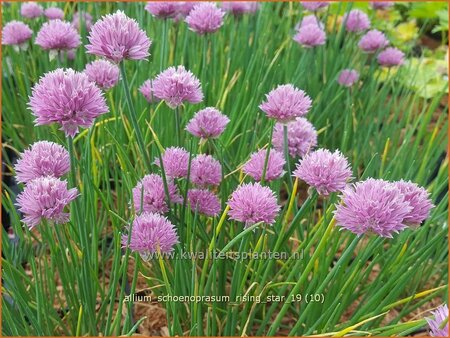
[
  {"x": 177, "y": 126},
  {"x": 133, "y": 117},
  {"x": 266, "y": 161},
  {"x": 286, "y": 154}
]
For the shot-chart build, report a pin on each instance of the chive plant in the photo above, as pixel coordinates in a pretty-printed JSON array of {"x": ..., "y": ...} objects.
[{"x": 226, "y": 250}]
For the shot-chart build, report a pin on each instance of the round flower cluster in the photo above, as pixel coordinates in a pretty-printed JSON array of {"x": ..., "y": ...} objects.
[
  {"x": 274, "y": 167},
  {"x": 53, "y": 13},
  {"x": 16, "y": 33},
  {"x": 69, "y": 98},
  {"x": 31, "y": 10},
  {"x": 205, "y": 18},
  {"x": 45, "y": 195},
  {"x": 382, "y": 207},
  {"x": 302, "y": 137},
  {"x": 285, "y": 103},
  {"x": 57, "y": 35},
  {"x": 118, "y": 37},
  {"x": 104, "y": 73},
  {"x": 146, "y": 90},
  {"x": 325, "y": 171},
  {"x": 207, "y": 123},
  {"x": 176, "y": 85}
]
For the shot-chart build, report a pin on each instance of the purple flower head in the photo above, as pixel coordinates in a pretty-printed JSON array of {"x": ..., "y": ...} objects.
[
  {"x": 43, "y": 158},
  {"x": 310, "y": 20},
  {"x": 255, "y": 165},
  {"x": 372, "y": 206},
  {"x": 381, "y": 4},
  {"x": 175, "y": 85},
  {"x": 325, "y": 171},
  {"x": 205, "y": 170},
  {"x": 356, "y": 21},
  {"x": 435, "y": 324},
  {"x": 302, "y": 137},
  {"x": 83, "y": 16},
  {"x": 391, "y": 57},
  {"x": 45, "y": 198},
  {"x": 67, "y": 97},
  {"x": 185, "y": 7},
  {"x": 149, "y": 194},
  {"x": 53, "y": 13},
  {"x": 252, "y": 203},
  {"x": 205, "y": 18},
  {"x": 418, "y": 198},
  {"x": 207, "y": 123},
  {"x": 146, "y": 89},
  {"x": 149, "y": 233},
  {"x": 314, "y": 5},
  {"x": 310, "y": 36},
  {"x": 162, "y": 9},
  {"x": 175, "y": 162},
  {"x": 372, "y": 41},
  {"x": 240, "y": 7},
  {"x": 58, "y": 35},
  {"x": 31, "y": 10},
  {"x": 285, "y": 103},
  {"x": 118, "y": 37},
  {"x": 104, "y": 73},
  {"x": 16, "y": 33},
  {"x": 348, "y": 77},
  {"x": 204, "y": 201}
]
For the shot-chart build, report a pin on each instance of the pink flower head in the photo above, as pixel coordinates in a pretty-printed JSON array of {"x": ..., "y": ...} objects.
[
  {"x": 381, "y": 4},
  {"x": 252, "y": 203},
  {"x": 205, "y": 18},
  {"x": 175, "y": 162},
  {"x": 435, "y": 324},
  {"x": 204, "y": 201},
  {"x": 118, "y": 37},
  {"x": 45, "y": 198},
  {"x": 348, "y": 77},
  {"x": 104, "y": 73},
  {"x": 207, "y": 123},
  {"x": 185, "y": 7},
  {"x": 240, "y": 7},
  {"x": 43, "y": 158},
  {"x": 175, "y": 85},
  {"x": 67, "y": 97},
  {"x": 372, "y": 206},
  {"x": 83, "y": 16},
  {"x": 149, "y": 194},
  {"x": 310, "y": 20},
  {"x": 325, "y": 171},
  {"x": 205, "y": 170},
  {"x": 285, "y": 103},
  {"x": 372, "y": 41},
  {"x": 255, "y": 165},
  {"x": 149, "y": 233},
  {"x": 31, "y": 10},
  {"x": 162, "y": 9},
  {"x": 53, "y": 13},
  {"x": 418, "y": 198},
  {"x": 58, "y": 35},
  {"x": 356, "y": 21},
  {"x": 314, "y": 5},
  {"x": 310, "y": 36},
  {"x": 146, "y": 89},
  {"x": 16, "y": 33},
  {"x": 302, "y": 137},
  {"x": 391, "y": 57}
]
